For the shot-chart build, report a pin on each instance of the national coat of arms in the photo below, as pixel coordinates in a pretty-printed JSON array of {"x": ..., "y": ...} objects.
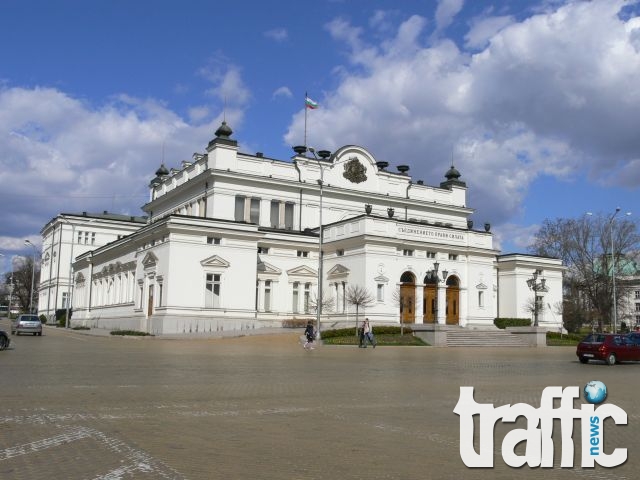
[{"x": 354, "y": 171}]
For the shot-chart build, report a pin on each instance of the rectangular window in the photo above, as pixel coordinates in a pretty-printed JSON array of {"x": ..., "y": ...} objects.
[
  {"x": 65, "y": 297},
  {"x": 431, "y": 254},
  {"x": 86, "y": 238},
  {"x": 274, "y": 217},
  {"x": 637, "y": 307},
  {"x": 239, "y": 211},
  {"x": 254, "y": 214},
  {"x": 481, "y": 299},
  {"x": 159, "y": 294},
  {"x": 296, "y": 293},
  {"x": 267, "y": 295},
  {"x": 79, "y": 237},
  {"x": 213, "y": 240},
  {"x": 340, "y": 252},
  {"x": 303, "y": 253},
  {"x": 263, "y": 250},
  {"x": 288, "y": 216},
  {"x": 307, "y": 297},
  {"x": 637, "y": 294},
  {"x": 407, "y": 252},
  {"x": 381, "y": 292},
  {"x": 93, "y": 238},
  {"x": 453, "y": 256},
  {"x": 212, "y": 292}
]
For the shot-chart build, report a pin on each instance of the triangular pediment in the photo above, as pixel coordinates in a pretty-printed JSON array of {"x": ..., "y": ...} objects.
[
  {"x": 149, "y": 259},
  {"x": 338, "y": 270},
  {"x": 215, "y": 261},
  {"x": 381, "y": 279},
  {"x": 264, "y": 267},
  {"x": 481, "y": 286},
  {"x": 303, "y": 271}
]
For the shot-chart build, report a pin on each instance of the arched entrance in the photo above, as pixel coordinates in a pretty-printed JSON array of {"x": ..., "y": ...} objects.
[
  {"x": 453, "y": 300},
  {"x": 429, "y": 299},
  {"x": 407, "y": 297}
]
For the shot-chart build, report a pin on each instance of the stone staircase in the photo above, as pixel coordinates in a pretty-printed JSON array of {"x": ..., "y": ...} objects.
[{"x": 462, "y": 337}]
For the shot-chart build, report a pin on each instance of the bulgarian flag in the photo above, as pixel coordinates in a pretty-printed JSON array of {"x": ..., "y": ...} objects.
[{"x": 310, "y": 103}]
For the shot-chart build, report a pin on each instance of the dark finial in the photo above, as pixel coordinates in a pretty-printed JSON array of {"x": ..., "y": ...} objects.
[
  {"x": 224, "y": 131},
  {"x": 390, "y": 212},
  {"x": 382, "y": 165},
  {"x": 324, "y": 154},
  {"x": 487, "y": 227},
  {"x": 300, "y": 149},
  {"x": 403, "y": 169},
  {"x": 162, "y": 171}
]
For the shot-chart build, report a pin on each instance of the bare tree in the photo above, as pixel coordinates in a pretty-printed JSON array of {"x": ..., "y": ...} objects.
[
  {"x": 398, "y": 301},
  {"x": 22, "y": 274},
  {"x": 594, "y": 249},
  {"x": 327, "y": 303},
  {"x": 360, "y": 297}
]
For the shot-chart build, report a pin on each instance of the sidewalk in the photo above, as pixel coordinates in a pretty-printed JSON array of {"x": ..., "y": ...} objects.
[{"x": 102, "y": 332}]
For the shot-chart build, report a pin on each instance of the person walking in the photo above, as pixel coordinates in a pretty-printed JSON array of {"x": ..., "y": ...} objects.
[
  {"x": 368, "y": 333},
  {"x": 361, "y": 341},
  {"x": 310, "y": 335}
]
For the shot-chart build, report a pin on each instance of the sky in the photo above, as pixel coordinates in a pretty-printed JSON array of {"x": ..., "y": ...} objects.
[{"x": 536, "y": 103}]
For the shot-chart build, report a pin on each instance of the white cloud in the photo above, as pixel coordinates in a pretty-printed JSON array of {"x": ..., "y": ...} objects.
[
  {"x": 59, "y": 154},
  {"x": 277, "y": 34},
  {"x": 483, "y": 29},
  {"x": 446, "y": 11},
  {"x": 282, "y": 92},
  {"x": 551, "y": 95}
]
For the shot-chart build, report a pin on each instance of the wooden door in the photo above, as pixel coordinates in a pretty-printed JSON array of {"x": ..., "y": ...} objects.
[
  {"x": 150, "y": 304},
  {"x": 407, "y": 303},
  {"x": 429, "y": 304},
  {"x": 453, "y": 305}
]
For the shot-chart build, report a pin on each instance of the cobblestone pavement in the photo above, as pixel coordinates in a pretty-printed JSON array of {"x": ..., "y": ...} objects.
[{"x": 77, "y": 406}]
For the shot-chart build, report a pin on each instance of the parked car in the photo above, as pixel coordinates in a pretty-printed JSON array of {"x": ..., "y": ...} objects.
[
  {"x": 26, "y": 323},
  {"x": 610, "y": 348},
  {"x": 5, "y": 341}
]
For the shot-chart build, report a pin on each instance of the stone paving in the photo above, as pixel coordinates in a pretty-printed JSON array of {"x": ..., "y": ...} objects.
[{"x": 89, "y": 406}]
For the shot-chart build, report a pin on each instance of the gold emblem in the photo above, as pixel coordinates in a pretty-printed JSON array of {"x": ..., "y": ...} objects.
[{"x": 354, "y": 171}]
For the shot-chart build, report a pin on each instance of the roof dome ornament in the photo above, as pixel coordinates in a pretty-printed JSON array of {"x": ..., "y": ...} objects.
[
  {"x": 224, "y": 131},
  {"x": 162, "y": 171},
  {"x": 452, "y": 173}
]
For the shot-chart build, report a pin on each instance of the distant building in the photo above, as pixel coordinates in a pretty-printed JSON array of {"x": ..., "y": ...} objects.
[
  {"x": 81, "y": 233},
  {"x": 231, "y": 242}
]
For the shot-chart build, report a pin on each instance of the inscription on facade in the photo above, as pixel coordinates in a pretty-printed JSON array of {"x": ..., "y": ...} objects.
[{"x": 429, "y": 233}]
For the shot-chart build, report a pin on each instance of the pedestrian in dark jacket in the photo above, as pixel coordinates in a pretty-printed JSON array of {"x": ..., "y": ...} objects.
[{"x": 310, "y": 335}]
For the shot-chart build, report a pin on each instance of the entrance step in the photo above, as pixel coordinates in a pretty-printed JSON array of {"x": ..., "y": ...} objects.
[{"x": 482, "y": 338}]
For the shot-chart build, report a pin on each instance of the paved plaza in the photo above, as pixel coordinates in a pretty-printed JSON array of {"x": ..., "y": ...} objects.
[{"x": 79, "y": 406}]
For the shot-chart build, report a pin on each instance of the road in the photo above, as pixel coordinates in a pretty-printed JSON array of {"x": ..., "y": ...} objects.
[{"x": 78, "y": 406}]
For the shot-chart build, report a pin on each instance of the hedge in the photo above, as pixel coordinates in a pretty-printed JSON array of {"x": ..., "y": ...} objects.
[
  {"x": 377, "y": 330},
  {"x": 512, "y": 322}
]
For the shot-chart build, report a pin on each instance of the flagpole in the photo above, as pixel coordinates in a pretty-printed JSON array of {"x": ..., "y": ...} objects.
[{"x": 305, "y": 119}]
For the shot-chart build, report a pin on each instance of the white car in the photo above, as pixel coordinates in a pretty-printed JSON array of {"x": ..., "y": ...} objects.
[{"x": 26, "y": 323}]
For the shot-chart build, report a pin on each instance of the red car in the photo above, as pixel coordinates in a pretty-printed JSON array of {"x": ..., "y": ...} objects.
[{"x": 610, "y": 348}]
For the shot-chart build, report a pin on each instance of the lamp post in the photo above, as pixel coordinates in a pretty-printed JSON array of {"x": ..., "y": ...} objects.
[
  {"x": 613, "y": 269},
  {"x": 33, "y": 274},
  {"x": 434, "y": 275},
  {"x": 536, "y": 287},
  {"x": 323, "y": 154}
]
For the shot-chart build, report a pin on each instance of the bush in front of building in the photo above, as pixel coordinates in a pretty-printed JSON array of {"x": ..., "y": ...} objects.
[
  {"x": 377, "y": 330},
  {"x": 134, "y": 333},
  {"x": 512, "y": 322},
  {"x": 43, "y": 318}
]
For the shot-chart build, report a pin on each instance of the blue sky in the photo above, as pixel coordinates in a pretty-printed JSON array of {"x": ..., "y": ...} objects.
[{"x": 537, "y": 103}]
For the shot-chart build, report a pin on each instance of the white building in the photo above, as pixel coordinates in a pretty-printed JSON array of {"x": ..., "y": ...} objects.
[
  {"x": 74, "y": 234},
  {"x": 232, "y": 243}
]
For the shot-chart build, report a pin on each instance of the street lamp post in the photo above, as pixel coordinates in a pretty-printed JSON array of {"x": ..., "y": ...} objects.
[
  {"x": 33, "y": 274},
  {"x": 536, "y": 287},
  {"x": 613, "y": 270},
  {"x": 434, "y": 274},
  {"x": 323, "y": 154}
]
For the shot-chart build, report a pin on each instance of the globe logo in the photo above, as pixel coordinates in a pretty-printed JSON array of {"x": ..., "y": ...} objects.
[{"x": 595, "y": 392}]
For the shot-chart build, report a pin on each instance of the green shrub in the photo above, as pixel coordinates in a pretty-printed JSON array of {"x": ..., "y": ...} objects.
[
  {"x": 80, "y": 328},
  {"x": 43, "y": 318},
  {"x": 62, "y": 321},
  {"x": 512, "y": 322},
  {"x": 377, "y": 330},
  {"x": 130, "y": 332},
  {"x": 566, "y": 339}
]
